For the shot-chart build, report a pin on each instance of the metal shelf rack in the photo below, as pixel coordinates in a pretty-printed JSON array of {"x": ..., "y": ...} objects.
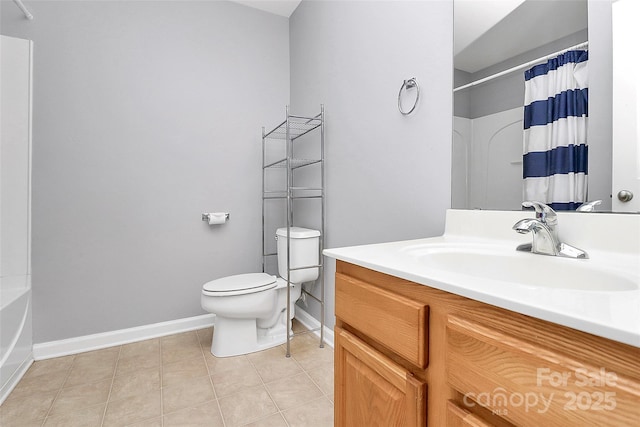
[{"x": 292, "y": 128}]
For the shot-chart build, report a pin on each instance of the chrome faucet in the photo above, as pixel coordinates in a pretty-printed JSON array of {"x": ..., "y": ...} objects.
[
  {"x": 544, "y": 228},
  {"x": 589, "y": 206}
]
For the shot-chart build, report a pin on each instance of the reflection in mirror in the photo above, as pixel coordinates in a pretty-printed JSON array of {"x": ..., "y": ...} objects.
[{"x": 496, "y": 41}]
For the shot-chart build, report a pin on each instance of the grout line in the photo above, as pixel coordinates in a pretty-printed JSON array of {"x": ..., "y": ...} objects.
[
  {"x": 113, "y": 379},
  {"x": 215, "y": 395},
  {"x": 53, "y": 402},
  {"x": 264, "y": 385},
  {"x": 283, "y": 347}
]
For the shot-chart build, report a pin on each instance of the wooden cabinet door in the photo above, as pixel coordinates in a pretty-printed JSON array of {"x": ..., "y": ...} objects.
[{"x": 372, "y": 390}]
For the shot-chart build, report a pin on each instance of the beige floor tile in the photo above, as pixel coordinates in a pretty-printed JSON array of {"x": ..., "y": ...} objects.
[
  {"x": 274, "y": 420},
  {"x": 179, "y": 347},
  {"x": 188, "y": 393},
  {"x": 205, "y": 415},
  {"x": 130, "y": 364},
  {"x": 90, "y": 373},
  {"x": 265, "y": 355},
  {"x": 18, "y": 422},
  {"x": 93, "y": 366},
  {"x": 205, "y": 337},
  {"x": 134, "y": 409},
  {"x": 43, "y": 382},
  {"x": 272, "y": 365},
  {"x": 175, "y": 373},
  {"x": 87, "y": 417},
  {"x": 303, "y": 342},
  {"x": 313, "y": 357},
  {"x": 250, "y": 405},
  {"x": 235, "y": 380},
  {"x": 323, "y": 377},
  {"x": 318, "y": 413},
  {"x": 97, "y": 357},
  {"x": 73, "y": 399},
  {"x": 178, "y": 340},
  {"x": 140, "y": 348},
  {"x": 168, "y": 381},
  {"x": 218, "y": 365},
  {"x": 176, "y": 355},
  {"x": 293, "y": 391},
  {"x": 139, "y": 382},
  {"x": 26, "y": 408},
  {"x": 153, "y": 422},
  {"x": 296, "y": 326},
  {"x": 49, "y": 366}
]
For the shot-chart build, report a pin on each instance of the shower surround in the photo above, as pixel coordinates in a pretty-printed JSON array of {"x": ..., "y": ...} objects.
[{"x": 15, "y": 212}]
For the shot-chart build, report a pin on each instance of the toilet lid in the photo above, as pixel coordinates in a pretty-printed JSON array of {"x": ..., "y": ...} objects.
[{"x": 240, "y": 284}]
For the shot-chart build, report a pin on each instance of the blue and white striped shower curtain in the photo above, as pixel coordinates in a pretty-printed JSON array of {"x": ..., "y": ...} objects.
[{"x": 555, "y": 131}]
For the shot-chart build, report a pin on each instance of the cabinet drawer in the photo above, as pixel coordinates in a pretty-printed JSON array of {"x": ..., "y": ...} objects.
[
  {"x": 396, "y": 322},
  {"x": 458, "y": 417},
  {"x": 529, "y": 385}
]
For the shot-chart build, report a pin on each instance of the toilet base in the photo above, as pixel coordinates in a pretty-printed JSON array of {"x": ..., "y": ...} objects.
[{"x": 235, "y": 337}]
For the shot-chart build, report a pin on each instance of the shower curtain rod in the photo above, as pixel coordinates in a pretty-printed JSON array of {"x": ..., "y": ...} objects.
[
  {"x": 521, "y": 66},
  {"x": 24, "y": 9}
]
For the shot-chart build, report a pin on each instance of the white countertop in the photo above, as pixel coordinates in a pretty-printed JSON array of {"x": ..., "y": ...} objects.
[{"x": 611, "y": 240}]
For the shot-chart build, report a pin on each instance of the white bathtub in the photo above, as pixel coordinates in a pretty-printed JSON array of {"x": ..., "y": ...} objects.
[
  {"x": 15, "y": 331},
  {"x": 15, "y": 212}
]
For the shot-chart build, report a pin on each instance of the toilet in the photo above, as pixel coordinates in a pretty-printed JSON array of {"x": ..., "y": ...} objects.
[{"x": 251, "y": 309}]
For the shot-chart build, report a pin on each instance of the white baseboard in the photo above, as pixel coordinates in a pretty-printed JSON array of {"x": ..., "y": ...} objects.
[
  {"x": 310, "y": 322},
  {"x": 76, "y": 345},
  {"x": 81, "y": 344}
]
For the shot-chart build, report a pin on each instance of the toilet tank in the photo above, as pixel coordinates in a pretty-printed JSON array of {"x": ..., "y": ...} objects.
[{"x": 305, "y": 250}]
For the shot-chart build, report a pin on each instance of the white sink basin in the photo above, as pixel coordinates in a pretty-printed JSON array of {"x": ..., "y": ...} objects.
[
  {"x": 506, "y": 265},
  {"x": 476, "y": 258}
]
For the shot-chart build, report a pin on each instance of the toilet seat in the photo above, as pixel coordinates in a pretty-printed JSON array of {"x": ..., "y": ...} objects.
[{"x": 239, "y": 284}]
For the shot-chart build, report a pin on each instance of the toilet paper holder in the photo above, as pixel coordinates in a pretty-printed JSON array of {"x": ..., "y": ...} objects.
[{"x": 205, "y": 216}]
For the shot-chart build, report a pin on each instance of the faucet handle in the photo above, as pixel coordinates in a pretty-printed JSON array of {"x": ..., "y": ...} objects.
[
  {"x": 589, "y": 206},
  {"x": 543, "y": 212}
]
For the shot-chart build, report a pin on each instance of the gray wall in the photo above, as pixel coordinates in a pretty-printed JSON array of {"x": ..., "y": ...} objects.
[
  {"x": 145, "y": 115},
  {"x": 388, "y": 176},
  {"x": 148, "y": 113}
]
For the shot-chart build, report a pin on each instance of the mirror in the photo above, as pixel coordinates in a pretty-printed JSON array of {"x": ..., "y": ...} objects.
[{"x": 495, "y": 42}]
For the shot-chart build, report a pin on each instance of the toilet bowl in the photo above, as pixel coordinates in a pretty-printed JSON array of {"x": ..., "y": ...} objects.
[{"x": 251, "y": 309}]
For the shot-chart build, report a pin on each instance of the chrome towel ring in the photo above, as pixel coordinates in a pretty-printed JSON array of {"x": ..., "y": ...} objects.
[{"x": 409, "y": 84}]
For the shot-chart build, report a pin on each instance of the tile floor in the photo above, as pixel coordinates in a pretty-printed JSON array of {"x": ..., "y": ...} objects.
[{"x": 175, "y": 381}]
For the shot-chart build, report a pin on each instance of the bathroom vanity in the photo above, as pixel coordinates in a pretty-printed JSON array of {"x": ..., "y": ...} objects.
[{"x": 418, "y": 344}]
